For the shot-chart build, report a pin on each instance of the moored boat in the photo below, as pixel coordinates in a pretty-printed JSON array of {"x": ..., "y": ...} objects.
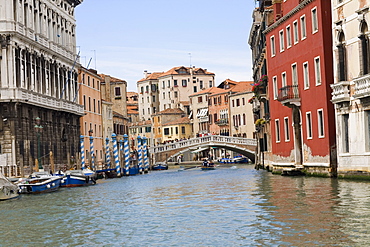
[
  {"x": 77, "y": 178},
  {"x": 39, "y": 182},
  {"x": 8, "y": 190},
  {"x": 160, "y": 166}
]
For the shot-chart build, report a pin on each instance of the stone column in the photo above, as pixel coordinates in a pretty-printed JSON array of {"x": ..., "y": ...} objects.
[{"x": 4, "y": 60}]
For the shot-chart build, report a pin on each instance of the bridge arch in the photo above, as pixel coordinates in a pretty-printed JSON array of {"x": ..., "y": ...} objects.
[{"x": 240, "y": 145}]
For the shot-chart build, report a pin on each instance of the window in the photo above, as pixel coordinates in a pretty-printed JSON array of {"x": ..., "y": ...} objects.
[
  {"x": 163, "y": 85},
  {"x": 288, "y": 36},
  {"x": 294, "y": 74},
  {"x": 281, "y": 38},
  {"x": 84, "y": 102},
  {"x": 303, "y": 27},
  {"x": 233, "y": 103},
  {"x": 315, "y": 24},
  {"x": 275, "y": 87},
  {"x": 273, "y": 51},
  {"x": 306, "y": 79},
  {"x": 364, "y": 49},
  {"x": 210, "y": 83},
  {"x": 195, "y": 89},
  {"x": 200, "y": 99},
  {"x": 153, "y": 98},
  {"x": 117, "y": 91},
  {"x": 243, "y": 100},
  {"x": 169, "y": 83},
  {"x": 166, "y": 131},
  {"x": 184, "y": 83},
  {"x": 175, "y": 94},
  {"x": 200, "y": 85},
  {"x": 309, "y": 125},
  {"x": 342, "y": 59},
  {"x": 317, "y": 71},
  {"x": 277, "y": 130},
  {"x": 237, "y": 102},
  {"x": 164, "y": 95},
  {"x": 183, "y": 130},
  {"x": 286, "y": 128},
  {"x": 283, "y": 79},
  {"x": 295, "y": 32},
  {"x": 320, "y": 122},
  {"x": 345, "y": 122}
]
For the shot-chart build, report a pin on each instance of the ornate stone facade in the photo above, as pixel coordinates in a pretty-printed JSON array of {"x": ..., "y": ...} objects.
[{"x": 38, "y": 78}]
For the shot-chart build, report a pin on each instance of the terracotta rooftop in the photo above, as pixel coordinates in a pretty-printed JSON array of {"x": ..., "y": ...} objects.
[
  {"x": 112, "y": 79},
  {"x": 185, "y": 103},
  {"x": 176, "y": 71},
  {"x": 171, "y": 111},
  {"x": 146, "y": 122},
  {"x": 208, "y": 91},
  {"x": 152, "y": 76},
  {"x": 184, "y": 120}
]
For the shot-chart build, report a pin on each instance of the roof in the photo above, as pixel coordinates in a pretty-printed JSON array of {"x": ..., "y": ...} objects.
[
  {"x": 242, "y": 86},
  {"x": 152, "y": 76},
  {"x": 112, "y": 79},
  {"x": 177, "y": 71},
  {"x": 185, "y": 103},
  {"x": 142, "y": 123},
  {"x": 183, "y": 120},
  {"x": 208, "y": 91},
  {"x": 170, "y": 111},
  {"x": 130, "y": 100}
]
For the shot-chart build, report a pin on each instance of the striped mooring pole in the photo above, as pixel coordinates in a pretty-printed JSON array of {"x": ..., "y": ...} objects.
[
  {"x": 82, "y": 150},
  {"x": 92, "y": 153},
  {"x": 120, "y": 155},
  {"x": 127, "y": 154},
  {"x": 146, "y": 161},
  {"x": 140, "y": 158},
  {"x": 115, "y": 154},
  {"x": 107, "y": 152}
]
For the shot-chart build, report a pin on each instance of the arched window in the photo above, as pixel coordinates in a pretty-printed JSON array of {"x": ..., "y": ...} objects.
[
  {"x": 342, "y": 60},
  {"x": 364, "y": 49}
]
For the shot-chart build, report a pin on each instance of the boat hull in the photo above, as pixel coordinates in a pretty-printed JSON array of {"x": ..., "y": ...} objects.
[
  {"x": 40, "y": 185},
  {"x": 77, "y": 181},
  {"x": 208, "y": 168},
  {"x": 8, "y": 194}
]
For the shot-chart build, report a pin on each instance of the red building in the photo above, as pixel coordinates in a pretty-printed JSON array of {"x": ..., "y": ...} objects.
[{"x": 300, "y": 71}]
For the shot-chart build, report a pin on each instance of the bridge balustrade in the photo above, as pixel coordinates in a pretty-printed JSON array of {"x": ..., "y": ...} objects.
[{"x": 201, "y": 140}]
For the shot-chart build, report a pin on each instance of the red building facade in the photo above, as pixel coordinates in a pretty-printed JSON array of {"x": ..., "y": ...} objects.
[{"x": 300, "y": 71}]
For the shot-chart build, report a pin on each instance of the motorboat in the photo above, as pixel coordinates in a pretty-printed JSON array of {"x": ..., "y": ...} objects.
[
  {"x": 160, "y": 166},
  {"x": 39, "y": 182},
  {"x": 77, "y": 178},
  {"x": 8, "y": 190}
]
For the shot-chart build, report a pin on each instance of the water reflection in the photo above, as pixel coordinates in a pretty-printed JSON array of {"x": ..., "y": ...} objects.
[{"x": 225, "y": 207}]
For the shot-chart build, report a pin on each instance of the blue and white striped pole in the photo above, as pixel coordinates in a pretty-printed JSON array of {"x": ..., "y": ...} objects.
[
  {"x": 92, "y": 153},
  {"x": 146, "y": 161},
  {"x": 115, "y": 154},
  {"x": 140, "y": 158},
  {"x": 82, "y": 147},
  {"x": 121, "y": 161},
  {"x": 107, "y": 152},
  {"x": 127, "y": 154}
]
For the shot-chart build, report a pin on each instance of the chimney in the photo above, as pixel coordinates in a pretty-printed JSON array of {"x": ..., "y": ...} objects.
[{"x": 145, "y": 73}]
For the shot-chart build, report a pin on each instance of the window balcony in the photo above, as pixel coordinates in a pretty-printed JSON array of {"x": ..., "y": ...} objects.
[
  {"x": 362, "y": 87},
  {"x": 289, "y": 96},
  {"x": 341, "y": 92},
  {"x": 222, "y": 122}
]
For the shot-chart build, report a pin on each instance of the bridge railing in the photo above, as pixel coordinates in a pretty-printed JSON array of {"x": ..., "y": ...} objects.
[{"x": 203, "y": 140}]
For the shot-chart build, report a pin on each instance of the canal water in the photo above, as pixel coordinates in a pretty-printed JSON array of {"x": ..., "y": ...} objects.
[{"x": 224, "y": 207}]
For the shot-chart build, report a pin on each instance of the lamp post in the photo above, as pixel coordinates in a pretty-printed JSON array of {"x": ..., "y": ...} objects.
[{"x": 38, "y": 130}]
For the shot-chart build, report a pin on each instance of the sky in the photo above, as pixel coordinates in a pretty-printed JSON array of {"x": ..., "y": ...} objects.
[{"x": 122, "y": 38}]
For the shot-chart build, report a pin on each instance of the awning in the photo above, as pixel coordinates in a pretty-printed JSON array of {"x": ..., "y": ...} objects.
[{"x": 199, "y": 150}]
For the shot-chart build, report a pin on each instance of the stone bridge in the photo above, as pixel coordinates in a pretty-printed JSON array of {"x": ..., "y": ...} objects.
[{"x": 240, "y": 145}]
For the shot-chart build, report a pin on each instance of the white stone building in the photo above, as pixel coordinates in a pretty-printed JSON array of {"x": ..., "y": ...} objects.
[
  {"x": 351, "y": 88},
  {"x": 38, "y": 83}
]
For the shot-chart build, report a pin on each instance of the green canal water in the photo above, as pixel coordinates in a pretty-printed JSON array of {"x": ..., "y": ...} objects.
[{"x": 224, "y": 207}]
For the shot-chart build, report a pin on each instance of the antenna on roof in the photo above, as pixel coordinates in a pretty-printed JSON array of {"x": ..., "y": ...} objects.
[{"x": 190, "y": 58}]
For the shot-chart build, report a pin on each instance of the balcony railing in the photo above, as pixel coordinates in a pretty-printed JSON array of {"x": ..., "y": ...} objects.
[
  {"x": 289, "y": 95},
  {"x": 362, "y": 87},
  {"x": 223, "y": 121},
  {"x": 341, "y": 92}
]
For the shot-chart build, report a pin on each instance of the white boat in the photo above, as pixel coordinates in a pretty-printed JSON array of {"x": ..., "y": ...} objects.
[{"x": 8, "y": 190}]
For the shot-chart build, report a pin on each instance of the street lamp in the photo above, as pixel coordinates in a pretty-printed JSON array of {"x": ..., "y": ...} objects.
[{"x": 38, "y": 130}]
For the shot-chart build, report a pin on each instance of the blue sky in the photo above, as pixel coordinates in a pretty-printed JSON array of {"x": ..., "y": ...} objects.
[{"x": 126, "y": 37}]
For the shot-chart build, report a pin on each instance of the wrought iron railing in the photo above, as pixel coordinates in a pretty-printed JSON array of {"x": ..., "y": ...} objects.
[{"x": 288, "y": 93}]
